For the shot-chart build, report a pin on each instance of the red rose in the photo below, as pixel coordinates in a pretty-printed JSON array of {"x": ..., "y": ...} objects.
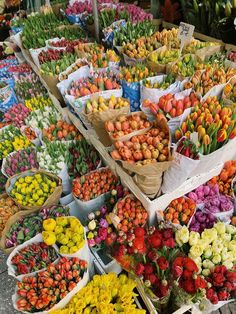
[
  {"x": 169, "y": 243},
  {"x": 190, "y": 265},
  {"x": 229, "y": 286},
  {"x": 231, "y": 276},
  {"x": 189, "y": 286},
  {"x": 139, "y": 245},
  {"x": 200, "y": 283},
  {"x": 179, "y": 261},
  {"x": 155, "y": 241},
  {"x": 148, "y": 269},
  {"x": 130, "y": 250},
  {"x": 139, "y": 269},
  {"x": 223, "y": 295},
  {"x": 167, "y": 233},
  {"x": 210, "y": 293},
  {"x": 220, "y": 269},
  {"x": 164, "y": 290},
  {"x": 152, "y": 255},
  {"x": 139, "y": 232},
  {"x": 162, "y": 263},
  {"x": 177, "y": 271},
  {"x": 218, "y": 279},
  {"x": 214, "y": 299},
  {"x": 187, "y": 274},
  {"x": 152, "y": 278}
]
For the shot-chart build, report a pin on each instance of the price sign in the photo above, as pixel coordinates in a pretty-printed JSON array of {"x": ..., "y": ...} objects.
[
  {"x": 185, "y": 33},
  {"x": 194, "y": 138}
]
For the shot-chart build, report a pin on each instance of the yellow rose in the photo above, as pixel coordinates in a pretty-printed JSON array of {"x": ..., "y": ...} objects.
[
  {"x": 193, "y": 238},
  {"x": 232, "y": 245},
  {"x": 209, "y": 235},
  {"x": 49, "y": 224},
  {"x": 182, "y": 235},
  {"x": 216, "y": 259},
  {"x": 217, "y": 246},
  {"x": 196, "y": 251},
  {"x": 220, "y": 227},
  {"x": 231, "y": 229}
]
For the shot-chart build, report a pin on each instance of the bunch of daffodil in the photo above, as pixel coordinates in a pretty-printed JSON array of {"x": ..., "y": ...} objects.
[
  {"x": 215, "y": 246},
  {"x": 66, "y": 232},
  {"x": 38, "y": 102},
  {"x": 33, "y": 190},
  {"x": 105, "y": 294}
]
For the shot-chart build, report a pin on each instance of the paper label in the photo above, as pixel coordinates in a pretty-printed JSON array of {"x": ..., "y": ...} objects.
[
  {"x": 194, "y": 138},
  {"x": 185, "y": 33},
  {"x": 115, "y": 219}
]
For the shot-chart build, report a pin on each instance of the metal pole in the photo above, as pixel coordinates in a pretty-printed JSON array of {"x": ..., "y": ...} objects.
[
  {"x": 155, "y": 6},
  {"x": 95, "y": 17}
]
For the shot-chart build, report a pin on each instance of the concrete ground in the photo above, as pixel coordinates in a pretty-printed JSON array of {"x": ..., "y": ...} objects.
[{"x": 7, "y": 287}]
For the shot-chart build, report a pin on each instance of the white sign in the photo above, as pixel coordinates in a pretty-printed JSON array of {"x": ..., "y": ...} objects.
[{"x": 185, "y": 33}]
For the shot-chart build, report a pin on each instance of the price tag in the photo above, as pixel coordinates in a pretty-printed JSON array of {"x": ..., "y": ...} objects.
[
  {"x": 185, "y": 33},
  {"x": 115, "y": 219},
  {"x": 194, "y": 138}
]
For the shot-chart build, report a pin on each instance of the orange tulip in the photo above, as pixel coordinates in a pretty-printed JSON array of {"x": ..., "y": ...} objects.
[
  {"x": 199, "y": 121},
  {"x": 206, "y": 139},
  {"x": 201, "y": 131},
  {"x": 233, "y": 134},
  {"x": 187, "y": 134},
  {"x": 193, "y": 116},
  {"x": 184, "y": 127},
  {"x": 221, "y": 135},
  {"x": 216, "y": 117},
  {"x": 224, "y": 112},
  {"x": 178, "y": 134}
]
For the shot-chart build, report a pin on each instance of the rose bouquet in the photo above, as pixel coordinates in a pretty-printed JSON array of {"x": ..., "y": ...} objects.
[
  {"x": 215, "y": 246},
  {"x": 153, "y": 255},
  {"x": 222, "y": 284}
]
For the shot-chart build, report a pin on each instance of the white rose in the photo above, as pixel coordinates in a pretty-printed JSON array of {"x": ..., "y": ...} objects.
[
  {"x": 216, "y": 259},
  {"x": 228, "y": 264},
  {"x": 193, "y": 238}
]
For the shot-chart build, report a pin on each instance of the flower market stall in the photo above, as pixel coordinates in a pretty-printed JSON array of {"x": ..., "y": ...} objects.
[{"x": 118, "y": 165}]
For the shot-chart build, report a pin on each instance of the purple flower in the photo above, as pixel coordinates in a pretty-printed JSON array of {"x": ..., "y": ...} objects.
[
  {"x": 103, "y": 210},
  {"x": 103, "y": 223}
]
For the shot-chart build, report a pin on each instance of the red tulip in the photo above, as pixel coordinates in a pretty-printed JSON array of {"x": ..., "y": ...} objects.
[{"x": 221, "y": 135}]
